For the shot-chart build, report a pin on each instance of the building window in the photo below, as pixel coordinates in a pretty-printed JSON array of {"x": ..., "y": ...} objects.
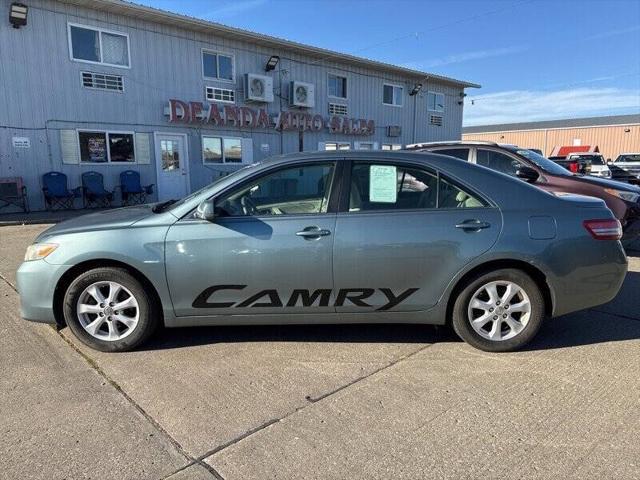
[
  {"x": 221, "y": 150},
  {"x": 337, "y": 146},
  {"x": 101, "y": 81},
  {"x": 391, "y": 146},
  {"x": 435, "y": 102},
  {"x": 94, "y": 45},
  {"x": 224, "y": 95},
  {"x": 217, "y": 65},
  {"x": 392, "y": 95},
  {"x": 106, "y": 147},
  {"x": 337, "y": 86},
  {"x": 337, "y": 109}
]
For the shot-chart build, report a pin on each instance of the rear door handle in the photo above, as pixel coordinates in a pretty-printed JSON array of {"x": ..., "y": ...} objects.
[
  {"x": 313, "y": 232},
  {"x": 473, "y": 225}
]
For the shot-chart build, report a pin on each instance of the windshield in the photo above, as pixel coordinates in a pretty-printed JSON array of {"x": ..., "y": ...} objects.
[
  {"x": 544, "y": 163},
  {"x": 629, "y": 158},
  {"x": 595, "y": 159},
  {"x": 175, "y": 204}
]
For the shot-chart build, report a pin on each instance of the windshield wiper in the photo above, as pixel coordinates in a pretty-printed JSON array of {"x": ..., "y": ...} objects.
[{"x": 161, "y": 206}]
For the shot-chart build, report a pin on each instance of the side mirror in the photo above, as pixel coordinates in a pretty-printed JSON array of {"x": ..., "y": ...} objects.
[
  {"x": 527, "y": 174},
  {"x": 206, "y": 210}
]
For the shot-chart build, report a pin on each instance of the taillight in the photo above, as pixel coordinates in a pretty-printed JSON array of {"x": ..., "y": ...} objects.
[{"x": 609, "y": 229}]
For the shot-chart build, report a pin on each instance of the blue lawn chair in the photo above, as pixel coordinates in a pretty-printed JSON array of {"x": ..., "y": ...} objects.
[
  {"x": 94, "y": 192},
  {"x": 56, "y": 193},
  {"x": 132, "y": 192}
]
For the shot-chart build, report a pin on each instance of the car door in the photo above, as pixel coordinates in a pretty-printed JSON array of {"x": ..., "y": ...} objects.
[
  {"x": 269, "y": 249},
  {"x": 402, "y": 233},
  {"x": 498, "y": 161}
]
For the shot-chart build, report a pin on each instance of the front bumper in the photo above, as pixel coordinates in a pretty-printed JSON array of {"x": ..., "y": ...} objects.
[{"x": 37, "y": 282}]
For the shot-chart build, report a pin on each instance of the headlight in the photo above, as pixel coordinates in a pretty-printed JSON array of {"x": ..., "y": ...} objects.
[
  {"x": 624, "y": 195},
  {"x": 38, "y": 251}
]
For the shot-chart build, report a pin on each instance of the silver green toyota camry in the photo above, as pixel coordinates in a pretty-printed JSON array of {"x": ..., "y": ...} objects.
[{"x": 331, "y": 237}]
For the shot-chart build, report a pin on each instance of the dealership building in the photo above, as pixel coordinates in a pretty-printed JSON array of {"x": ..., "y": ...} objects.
[{"x": 109, "y": 86}]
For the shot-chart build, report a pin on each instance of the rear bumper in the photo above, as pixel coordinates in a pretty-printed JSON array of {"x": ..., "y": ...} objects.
[
  {"x": 36, "y": 281},
  {"x": 593, "y": 282}
]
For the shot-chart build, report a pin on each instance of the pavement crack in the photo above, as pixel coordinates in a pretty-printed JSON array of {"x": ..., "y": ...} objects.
[
  {"x": 13, "y": 287},
  {"x": 94, "y": 365},
  {"x": 311, "y": 401}
]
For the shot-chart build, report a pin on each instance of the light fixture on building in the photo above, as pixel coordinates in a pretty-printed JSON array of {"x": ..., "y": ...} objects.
[
  {"x": 627, "y": 130},
  {"x": 271, "y": 63},
  {"x": 18, "y": 14},
  {"x": 416, "y": 89}
]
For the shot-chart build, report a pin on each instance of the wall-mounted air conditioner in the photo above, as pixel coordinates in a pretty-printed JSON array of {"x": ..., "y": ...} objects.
[
  {"x": 258, "y": 88},
  {"x": 302, "y": 94}
]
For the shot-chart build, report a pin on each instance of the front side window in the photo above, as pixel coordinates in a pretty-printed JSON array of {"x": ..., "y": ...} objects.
[
  {"x": 392, "y": 187},
  {"x": 392, "y": 95},
  {"x": 497, "y": 161},
  {"x": 337, "y": 86},
  {"x": 217, "y": 65},
  {"x": 435, "y": 101},
  {"x": 105, "y": 147},
  {"x": 98, "y": 46},
  {"x": 291, "y": 191},
  {"x": 221, "y": 150},
  {"x": 461, "y": 153}
]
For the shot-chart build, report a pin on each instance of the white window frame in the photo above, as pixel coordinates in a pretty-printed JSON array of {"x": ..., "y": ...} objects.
[
  {"x": 100, "y": 30},
  {"x": 100, "y": 89},
  {"x": 346, "y": 85},
  {"x": 392, "y": 147},
  {"x": 232, "y": 102},
  {"x": 222, "y": 138},
  {"x": 107, "y": 133},
  {"x": 216, "y": 53},
  {"x": 443, "y": 100},
  {"x": 393, "y": 86},
  {"x": 337, "y": 144}
]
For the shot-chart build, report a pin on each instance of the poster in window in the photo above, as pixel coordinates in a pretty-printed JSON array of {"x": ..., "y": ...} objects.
[
  {"x": 97, "y": 147},
  {"x": 383, "y": 184}
]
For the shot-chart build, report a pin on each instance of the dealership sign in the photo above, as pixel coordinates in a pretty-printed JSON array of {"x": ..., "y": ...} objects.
[{"x": 197, "y": 113}]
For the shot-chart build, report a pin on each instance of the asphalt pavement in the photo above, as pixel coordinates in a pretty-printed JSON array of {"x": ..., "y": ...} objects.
[{"x": 346, "y": 401}]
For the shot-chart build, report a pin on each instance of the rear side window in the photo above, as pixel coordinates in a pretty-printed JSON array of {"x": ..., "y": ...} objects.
[
  {"x": 376, "y": 186},
  {"x": 461, "y": 153},
  {"x": 497, "y": 161}
]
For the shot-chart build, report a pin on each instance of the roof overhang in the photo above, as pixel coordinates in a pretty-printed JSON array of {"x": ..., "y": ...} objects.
[{"x": 150, "y": 14}]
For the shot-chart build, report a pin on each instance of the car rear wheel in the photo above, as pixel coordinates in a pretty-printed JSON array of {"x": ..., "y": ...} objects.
[
  {"x": 499, "y": 311},
  {"x": 110, "y": 310}
]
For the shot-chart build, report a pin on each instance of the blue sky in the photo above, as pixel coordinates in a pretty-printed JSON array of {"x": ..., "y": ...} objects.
[{"x": 535, "y": 59}]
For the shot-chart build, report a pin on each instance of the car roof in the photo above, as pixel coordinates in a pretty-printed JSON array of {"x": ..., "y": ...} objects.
[
  {"x": 344, "y": 155},
  {"x": 460, "y": 143}
]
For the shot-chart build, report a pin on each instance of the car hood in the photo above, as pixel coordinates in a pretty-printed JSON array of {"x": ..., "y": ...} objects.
[
  {"x": 603, "y": 182},
  {"x": 105, "y": 220}
]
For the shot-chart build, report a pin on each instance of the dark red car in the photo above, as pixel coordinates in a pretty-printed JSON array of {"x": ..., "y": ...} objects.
[{"x": 621, "y": 198}]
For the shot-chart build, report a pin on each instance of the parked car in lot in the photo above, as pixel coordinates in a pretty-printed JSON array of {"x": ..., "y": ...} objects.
[
  {"x": 626, "y": 167},
  {"x": 331, "y": 237},
  {"x": 589, "y": 163},
  {"x": 621, "y": 198}
]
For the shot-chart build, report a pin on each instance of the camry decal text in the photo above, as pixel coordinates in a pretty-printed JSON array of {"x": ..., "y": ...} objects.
[{"x": 302, "y": 297}]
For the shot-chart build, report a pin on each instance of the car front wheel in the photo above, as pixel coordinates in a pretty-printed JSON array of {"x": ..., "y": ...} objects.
[
  {"x": 110, "y": 310},
  {"x": 499, "y": 311}
]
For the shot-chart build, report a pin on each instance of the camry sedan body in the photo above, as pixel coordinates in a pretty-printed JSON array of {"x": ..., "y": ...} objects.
[{"x": 331, "y": 237}]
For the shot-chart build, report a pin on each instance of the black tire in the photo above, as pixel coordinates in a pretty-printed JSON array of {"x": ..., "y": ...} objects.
[
  {"x": 148, "y": 316},
  {"x": 462, "y": 323}
]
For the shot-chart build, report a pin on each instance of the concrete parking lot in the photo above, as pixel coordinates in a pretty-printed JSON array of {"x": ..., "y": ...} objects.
[{"x": 320, "y": 402}]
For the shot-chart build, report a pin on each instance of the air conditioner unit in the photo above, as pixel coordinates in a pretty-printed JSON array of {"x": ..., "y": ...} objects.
[
  {"x": 258, "y": 88},
  {"x": 302, "y": 95}
]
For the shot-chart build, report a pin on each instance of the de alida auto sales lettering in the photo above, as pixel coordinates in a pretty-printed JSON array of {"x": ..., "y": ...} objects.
[{"x": 246, "y": 117}]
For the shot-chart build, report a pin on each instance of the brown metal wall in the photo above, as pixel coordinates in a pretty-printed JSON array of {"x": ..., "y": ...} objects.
[{"x": 611, "y": 140}]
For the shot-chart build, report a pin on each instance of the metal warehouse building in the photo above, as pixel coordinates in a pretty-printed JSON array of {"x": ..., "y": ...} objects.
[
  {"x": 109, "y": 86},
  {"x": 612, "y": 135}
]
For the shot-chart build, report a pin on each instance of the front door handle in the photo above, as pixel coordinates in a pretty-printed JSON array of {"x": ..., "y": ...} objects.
[
  {"x": 473, "y": 225},
  {"x": 313, "y": 232}
]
